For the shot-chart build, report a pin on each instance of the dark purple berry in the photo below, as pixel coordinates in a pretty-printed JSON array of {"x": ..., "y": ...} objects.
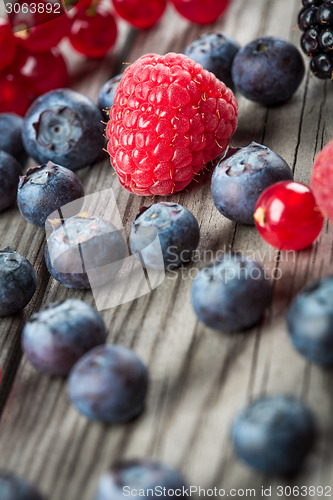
[
  {"x": 307, "y": 18},
  {"x": 309, "y": 3},
  {"x": 215, "y": 52},
  {"x": 65, "y": 127},
  {"x": 310, "y": 321},
  {"x": 268, "y": 70},
  {"x": 144, "y": 474},
  {"x": 109, "y": 384},
  {"x": 11, "y": 134},
  {"x": 55, "y": 338},
  {"x": 231, "y": 294},
  {"x": 326, "y": 39},
  {"x": 321, "y": 65},
  {"x": 325, "y": 14},
  {"x": 274, "y": 434},
  {"x": 107, "y": 94},
  {"x": 44, "y": 189},
  {"x": 177, "y": 230},
  {"x": 310, "y": 42},
  {"x": 83, "y": 246},
  {"x": 17, "y": 282},
  {"x": 16, "y": 488},
  {"x": 10, "y": 171},
  {"x": 238, "y": 180}
]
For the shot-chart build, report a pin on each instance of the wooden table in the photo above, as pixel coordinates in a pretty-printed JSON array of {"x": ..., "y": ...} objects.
[{"x": 199, "y": 379}]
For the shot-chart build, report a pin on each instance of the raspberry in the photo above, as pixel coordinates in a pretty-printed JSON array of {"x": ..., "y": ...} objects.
[
  {"x": 170, "y": 117},
  {"x": 322, "y": 180}
]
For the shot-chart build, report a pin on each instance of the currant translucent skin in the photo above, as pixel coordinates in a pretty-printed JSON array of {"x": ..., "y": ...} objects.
[
  {"x": 200, "y": 12},
  {"x": 142, "y": 14},
  {"x": 287, "y": 216},
  {"x": 43, "y": 37},
  {"x": 93, "y": 32},
  {"x": 13, "y": 97},
  {"x": 7, "y": 44}
]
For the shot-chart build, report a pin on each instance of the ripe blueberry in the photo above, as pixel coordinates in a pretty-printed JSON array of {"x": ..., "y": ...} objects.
[
  {"x": 11, "y": 134},
  {"x": 143, "y": 474},
  {"x": 238, "y": 180},
  {"x": 274, "y": 434},
  {"x": 65, "y": 127},
  {"x": 17, "y": 282},
  {"x": 109, "y": 384},
  {"x": 84, "y": 245},
  {"x": 215, "y": 52},
  {"x": 107, "y": 94},
  {"x": 178, "y": 233},
  {"x": 231, "y": 294},
  {"x": 55, "y": 338},
  {"x": 10, "y": 171},
  {"x": 44, "y": 189},
  {"x": 268, "y": 70},
  {"x": 16, "y": 488}
]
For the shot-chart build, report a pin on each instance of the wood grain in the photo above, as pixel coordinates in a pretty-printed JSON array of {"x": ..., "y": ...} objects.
[{"x": 199, "y": 378}]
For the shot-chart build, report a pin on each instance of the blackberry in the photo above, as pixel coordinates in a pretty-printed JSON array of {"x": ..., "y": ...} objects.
[{"x": 316, "y": 21}]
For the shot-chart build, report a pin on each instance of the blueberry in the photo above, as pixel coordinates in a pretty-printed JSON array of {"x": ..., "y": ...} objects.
[
  {"x": 268, "y": 70},
  {"x": 215, "y": 52},
  {"x": 231, "y": 294},
  {"x": 80, "y": 247},
  {"x": 107, "y": 94},
  {"x": 239, "y": 179},
  {"x": 11, "y": 134},
  {"x": 17, "y": 282},
  {"x": 109, "y": 384},
  {"x": 44, "y": 189},
  {"x": 177, "y": 229},
  {"x": 16, "y": 488},
  {"x": 310, "y": 321},
  {"x": 135, "y": 475},
  {"x": 65, "y": 127},
  {"x": 55, "y": 338},
  {"x": 274, "y": 434},
  {"x": 10, "y": 171}
]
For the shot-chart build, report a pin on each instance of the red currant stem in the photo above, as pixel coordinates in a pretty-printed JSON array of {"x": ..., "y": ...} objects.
[
  {"x": 91, "y": 11},
  {"x": 260, "y": 216}
]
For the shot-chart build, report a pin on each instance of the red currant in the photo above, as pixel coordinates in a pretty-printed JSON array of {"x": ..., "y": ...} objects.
[
  {"x": 322, "y": 180},
  {"x": 93, "y": 32},
  {"x": 142, "y": 14},
  {"x": 287, "y": 216},
  {"x": 13, "y": 97},
  {"x": 7, "y": 44},
  {"x": 199, "y": 11},
  {"x": 43, "y": 37},
  {"x": 42, "y": 71}
]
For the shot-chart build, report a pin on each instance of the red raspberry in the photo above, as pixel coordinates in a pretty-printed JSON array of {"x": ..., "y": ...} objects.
[
  {"x": 322, "y": 180},
  {"x": 170, "y": 117}
]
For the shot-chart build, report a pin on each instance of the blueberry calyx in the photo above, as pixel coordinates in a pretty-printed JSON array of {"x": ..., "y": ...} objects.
[{"x": 58, "y": 130}]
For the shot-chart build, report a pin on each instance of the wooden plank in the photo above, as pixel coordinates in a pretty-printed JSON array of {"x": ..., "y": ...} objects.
[{"x": 199, "y": 378}]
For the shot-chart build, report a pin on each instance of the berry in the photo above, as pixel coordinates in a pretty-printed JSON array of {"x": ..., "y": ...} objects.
[
  {"x": 44, "y": 189},
  {"x": 310, "y": 322},
  {"x": 215, "y": 52},
  {"x": 322, "y": 66},
  {"x": 65, "y": 127},
  {"x": 274, "y": 434},
  {"x": 10, "y": 171},
  {"x": 16, "y": 488},
  {"x": 287, "y": 216},
  {"x": 11, "y": 134},
  {"x": 307, "y": 18},
  {"x": 55, "y": 338},
  {"x": 141, "y": 475},
  {"x": 7, "y": 44},
  {"x": 107, "y": 94},
  {"x": 109, "y": 384},
  {"x": 93, "y": 32},
  {"x": 79, "y": 247},
  {"x": 17, "y": 282},
  {"x": 325, "y": 13},
  {"x": 310, "y": 42},
  {"x": 231, "y": 294},
  {"x": 201, "y": 12},
  {"x": 42, "y": 71},
  {"x": 268, "y": 70},
  {"x": 13, "y": 97},
  {"x": 142, "y": 14},
  {"x": 322, "y": 180},
  {"x": 239, "y": 179},
  {"x": 169, "y": 119},
  {"x": 177, "y": 230}
]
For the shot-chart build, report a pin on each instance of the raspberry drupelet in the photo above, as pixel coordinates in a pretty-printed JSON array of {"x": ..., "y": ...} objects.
[{"x": 169, "y": 119}]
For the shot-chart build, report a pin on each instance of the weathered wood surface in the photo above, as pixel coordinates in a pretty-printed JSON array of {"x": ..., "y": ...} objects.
[{"x": 199, "y": 379}]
